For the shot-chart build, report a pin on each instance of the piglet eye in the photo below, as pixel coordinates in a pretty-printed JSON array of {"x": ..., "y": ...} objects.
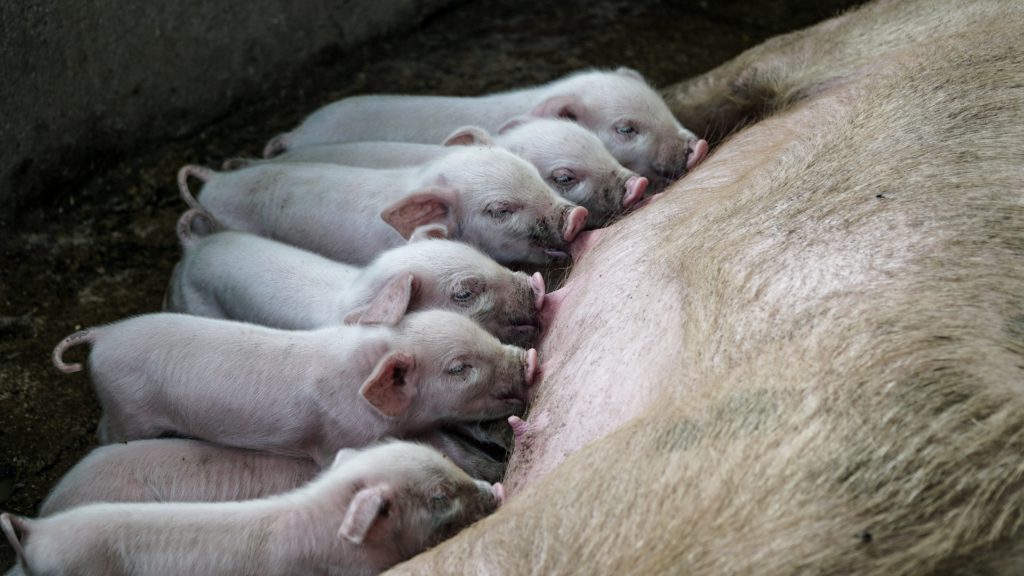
[
  {"x": 625, "y": 130},
  {"x": 499, "y": 213},
  {"x": 563, "y": 177},
  {"x": 457, "y": 368},
  {"x": 462, "y": 296},
  {"x": 438, "y": 501}
]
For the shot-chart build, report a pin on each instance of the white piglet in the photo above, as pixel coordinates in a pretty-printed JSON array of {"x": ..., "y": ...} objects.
[
  {"x": 175, "y": 470},
  {"x": 300, "y": 393},
  {"x": 619, "y": 106},
  {"x": 484, "y": 196},
  {"x": 572, "y": 160},
  {"x": 371, "y": 510},
  {"x": 240, "y": 276}
]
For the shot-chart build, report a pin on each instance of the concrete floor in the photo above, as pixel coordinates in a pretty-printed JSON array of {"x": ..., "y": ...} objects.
[{"x": 103, "y": 252}]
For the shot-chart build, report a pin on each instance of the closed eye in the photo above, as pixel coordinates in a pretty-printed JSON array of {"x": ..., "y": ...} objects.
[
  {"x": 563, "y": 178},
  {"x": 458, "y": 368}
]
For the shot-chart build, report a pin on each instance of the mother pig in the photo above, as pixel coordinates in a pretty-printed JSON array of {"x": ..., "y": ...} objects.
[{"x": 809, "y": 358}]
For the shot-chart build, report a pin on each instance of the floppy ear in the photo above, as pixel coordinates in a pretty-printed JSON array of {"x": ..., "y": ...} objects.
[
  {"x": 11, "y": 525},
  {"x": 512, "y": 123},
  {"x": 431, "y": 206},
  {"x": 565, "y": 106},
  {"x": 429, "y": 232},
  {"x": 469, "y": 136},
  {"x": 368, "y": 507},
  {"x": 392, "y": 385},
  {"x": 389, "y": 305},
  {"x": 627, "y": 71}
]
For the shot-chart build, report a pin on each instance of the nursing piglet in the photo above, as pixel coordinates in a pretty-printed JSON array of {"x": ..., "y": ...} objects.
[
  {"x": 480, "y": 448},
  {"x": 619, "y": 106},
  {"x": 245, "y": 277},
  {"x": 485, "y": 196},
  {"x": 572, "y": 160},
  {"x": 307, "y": 393},
  {"x": 175, "y": 470},
  {"x": 372, "y": 509}
]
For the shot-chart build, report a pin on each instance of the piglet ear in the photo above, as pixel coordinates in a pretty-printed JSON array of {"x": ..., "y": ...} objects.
[
  {"x": 392, "y": 385},
  {"x": 15, "y": 528},
  {"x": 429, "y": 232},
  {"x": 389, "y": 305},
  {"x": 565, "y": 106},
  {"x": 469, "y": 136},
  {"x": 430, "y": 206},
  {"x": 368, "y": 507},
  {"x": 512, "y": 123}
]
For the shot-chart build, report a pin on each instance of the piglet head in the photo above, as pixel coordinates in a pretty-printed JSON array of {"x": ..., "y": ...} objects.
[
  {"x": 410, "y": 498},
  {"x": 464, "y": 373},
  {"x": 575, "y": 163},
  {"x": 458, "y": 277},
  {"x": 504, "y": 206},
  {"x": 631, "y": 119}
]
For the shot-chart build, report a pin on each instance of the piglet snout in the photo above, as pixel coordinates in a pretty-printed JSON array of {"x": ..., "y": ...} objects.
[
  {"x": 530, "y": 365},
  {"x": 575, "y": 220},
  {"x": 635, "y": 188},
  {"x": 696, "y": 151},
  {"x": 537, "y": 284}
]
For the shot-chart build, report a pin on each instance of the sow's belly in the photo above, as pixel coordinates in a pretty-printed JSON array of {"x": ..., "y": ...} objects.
[{"x": 615, "y": 337}]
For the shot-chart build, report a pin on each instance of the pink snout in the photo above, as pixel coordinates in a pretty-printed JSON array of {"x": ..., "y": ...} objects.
[
  {"x": 537, "y": 284},
  {"x": 574, "y": 223},
  {"x": 635, "y": 188},
  {"x": 530, "y": 363},
  {"x": 697, "y": 151}
]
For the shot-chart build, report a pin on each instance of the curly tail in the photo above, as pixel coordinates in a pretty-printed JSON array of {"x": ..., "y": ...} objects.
[
  {"x": 71, "y": 341},
  {"x": 201, "y": 172},
  {"x": 11, "y": 524},
  {"x": 276, "y": 145},
  {"x": 185, "y": 231}
]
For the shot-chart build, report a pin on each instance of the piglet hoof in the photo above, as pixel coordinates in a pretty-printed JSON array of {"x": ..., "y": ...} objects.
[
  {"x": 499, "y": 493},
  {"x": 698, "y": 150}
]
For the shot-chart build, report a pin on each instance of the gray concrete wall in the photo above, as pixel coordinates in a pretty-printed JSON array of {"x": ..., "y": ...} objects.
[{"x": 85, "y": 82}]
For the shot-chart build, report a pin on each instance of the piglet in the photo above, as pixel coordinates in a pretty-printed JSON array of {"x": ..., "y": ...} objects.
[
  {"x": 175, "y": 470},
  {"x": 372, "y": 509},
  {"x": 479, "y": 448},
  {"x": 572, "y": 160},
  {"x": 619, "y": 106},
  {"x": 245, "y": 277},
  {"x": 307, "y": 393},
  {"x": 485, "y": 196}
]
